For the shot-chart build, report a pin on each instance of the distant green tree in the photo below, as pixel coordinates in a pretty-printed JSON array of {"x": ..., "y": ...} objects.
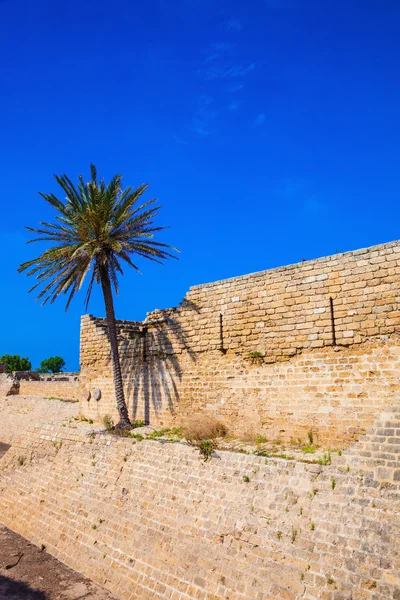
[
  {"x": 54, "y": 364},
  {"x": 15, "y": 363}
]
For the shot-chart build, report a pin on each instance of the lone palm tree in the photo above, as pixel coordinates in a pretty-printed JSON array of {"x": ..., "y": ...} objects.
[{"x": 98, "y": 227}]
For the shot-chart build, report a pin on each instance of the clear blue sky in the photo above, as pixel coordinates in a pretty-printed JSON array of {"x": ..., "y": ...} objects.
[{"x": 269, "y": 130}]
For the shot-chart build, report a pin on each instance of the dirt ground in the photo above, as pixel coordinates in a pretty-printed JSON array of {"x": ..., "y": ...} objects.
[{"x": 27, "y": 573}]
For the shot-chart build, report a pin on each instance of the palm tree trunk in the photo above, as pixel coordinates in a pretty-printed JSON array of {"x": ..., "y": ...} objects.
[{"x": 113, "y": 338}]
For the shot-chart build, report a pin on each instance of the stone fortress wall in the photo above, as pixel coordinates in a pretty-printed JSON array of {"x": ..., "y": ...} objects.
[
  {"x": 58, "y": 385},
  {"x": 149, "y": 519},
  {"x": 41, "y": 385},
  {"x": 314, "y": 345}
]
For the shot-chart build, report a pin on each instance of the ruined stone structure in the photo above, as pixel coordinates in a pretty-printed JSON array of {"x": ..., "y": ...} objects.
[
  {"x": 31, "y": 383},
  {"x": 57, "y": 385},
  {"x": 314, "y": 345}
]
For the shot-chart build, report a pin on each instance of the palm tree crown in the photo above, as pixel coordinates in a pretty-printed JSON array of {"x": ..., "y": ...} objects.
[{"x": 98, "y": 227}]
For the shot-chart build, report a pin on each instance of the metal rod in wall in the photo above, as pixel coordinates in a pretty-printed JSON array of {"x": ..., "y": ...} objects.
[
  {"x": 221, "y": 333},
  {"x": 332, "y": 322}
]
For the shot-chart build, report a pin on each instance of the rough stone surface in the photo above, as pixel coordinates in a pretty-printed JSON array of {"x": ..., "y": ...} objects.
[
  {"x": 63, "y": 385},
  {"x": 39, "y": 576},
  {"x": 9, "y": 385},
  {"x": 150, "y": 520},
  {"x": 257, "y": 351},
  {"x": 18, "y": 412}
]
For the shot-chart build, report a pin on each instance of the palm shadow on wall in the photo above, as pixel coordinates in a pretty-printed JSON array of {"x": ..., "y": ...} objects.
[{"x": 152, "y": 368}]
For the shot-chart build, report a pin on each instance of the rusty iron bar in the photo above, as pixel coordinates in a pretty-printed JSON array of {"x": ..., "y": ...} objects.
[
  {"x": 221, "y": 334},
  {"x": 332, "y": 322}
]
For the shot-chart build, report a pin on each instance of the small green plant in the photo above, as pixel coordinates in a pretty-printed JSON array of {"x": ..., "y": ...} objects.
[
  {"x": 326, "y": 459},
  {"x": 255, "y": 355},
  {"x": 333, "y": 483},
  {"x": 21, "y": 460},
  {"x": 312, "y": 526},
  {"x": 301, "y": 576},
  {"x": 294, "y": 535},
  {"x": 137, "y": 437},
  {"x": 279, "y": 535},
  {"x": 108, "y": 422},
  {"x": 348, "y": 468},
  {"x": 206, "y": 448},
  {"x": 308, "y": 449},
  {"x": 310, "y": 436},
  {"x": 125, "y": 458},
  {"x": 246, "y": 479},
  {"x": 57, "y": 446},
  {"x": 313, "y": 492},
  {"x": 261, "y": 439},
  {"x": 330, "y": 580},
  {"x": 261, "y": 452},
  {"x": 176, "y": 431},
  {"x": 137, "y": 424},
  {"x": 156, "y": 434},
  {"x": 94, "y": 527},
  {"x": 339, "y": 452},
  {"x": 82, "y": 419},
  {"x": 373, "y": 585}
]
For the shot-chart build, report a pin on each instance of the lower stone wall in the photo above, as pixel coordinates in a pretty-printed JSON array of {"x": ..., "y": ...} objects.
[
  {"x": 69, "y": 389},
  {"x": 18, "y": 412},
  {"x": 150, "y": 520},
  {"x": 336, "y": 392}
]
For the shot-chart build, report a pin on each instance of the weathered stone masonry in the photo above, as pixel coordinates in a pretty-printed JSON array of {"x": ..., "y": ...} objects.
[
  {"x": 196, "y": 358},
  {"x": 151, "y": 520}
]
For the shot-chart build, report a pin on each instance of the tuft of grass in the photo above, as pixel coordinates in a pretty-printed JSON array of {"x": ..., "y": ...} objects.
[
  {"x": 246, "y": 479},
  {"x": 255, "y": 354},
  {"x": 279, "y": 535},
  {"x": 136, "y": 436},
  {"x": 203, "y": 428},
  {"x": 156, "y": 434},
  {"x": 137, "y": 424},
  {"x": 333, "y": 483},
  {"x": 83, "y": 419},
  {"x": 261, "y": 439},
  {"x": 310, "y": 436},
  {"x": 176, "y": 431},
  {"x": 312, "y": 526},
  {"x": 326, "y": 459},
  {"x": 262, "y": 452},
  {"x": 294, "y": 535},
  {"x": 206, "y": 448},
  {"x": 308, "y": 449},
  {"x": 108, "y": 422}
]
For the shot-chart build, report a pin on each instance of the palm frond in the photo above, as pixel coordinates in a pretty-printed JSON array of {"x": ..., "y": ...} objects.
[{"x": 97, "y": 226}]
